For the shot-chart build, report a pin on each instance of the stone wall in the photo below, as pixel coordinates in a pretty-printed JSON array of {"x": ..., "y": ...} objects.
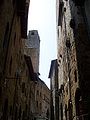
[
  {"x": 73, "y": 46},
  {"x": 14, "y": 84}
]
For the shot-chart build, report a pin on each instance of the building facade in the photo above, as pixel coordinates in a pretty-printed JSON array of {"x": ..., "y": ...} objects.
[
  {"x": 42, "y": 99},
  {"x": 13, "y": 28},
  {"x": 54, "y": 95},
  {"x": 23, "y": 95},
  {"x": 73, "y": 58},
  {"x": 40, "y": 106}
]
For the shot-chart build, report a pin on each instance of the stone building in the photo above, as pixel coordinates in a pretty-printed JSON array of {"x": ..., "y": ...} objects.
[
  {"x": 54, "y": 96},
  {"x": 13, "y": 28},
  {"x": 40, "y": 107},
  {"x": 73, "y": 28},
  {"x": 19, "y": 81},
  {"x": 32, "y": 48},
  {"x": 30, "y": 88},
  {"x": 42, "y": 99}
]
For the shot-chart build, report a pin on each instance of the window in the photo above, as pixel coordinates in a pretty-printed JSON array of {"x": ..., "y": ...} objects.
[
  {"x": 58, "y": 32},
  {"x": 75, "y": 74},
  {"x": 13, "y": 2},
  {"x": 37, "y": 92},
  {"x": 67, "y": 89},
  {"x": 66, "y": 112},
  {"x": 37, "y": 103},
  {"x": 26, "y": 110},
  {"x": 34, "y": 118},
  {"x": 16, "y": 112},
  {"x": 26, "y": 73},
  {"x": 23, "y": 115},
  {"x": 40, "y": 94},
  {"x": 1, "y": 2},
  {"x": 0, "y": 91},
  {"x": 61, "y": 112},
  {"x": 32, "y": 33},
  {"x": 40, "y": 106},
  {"x": 70, "y": 108},
  {"x": 10, "y": 66},
  {"x": 19, "y": 113},
  {"x": 61, "y": 4},
  {"x": 10, "y": 110},
  {"x": 23, "y": 87},
  {"x": 72, "y": 23},
  {"x": 5, "y": 41},
  {"x": 60, "y": 55},
  {"x": 5, "y": 107},
  {"x": 47, "y": 113},
  {"x": 44, "y": 96},
  {"x": 14, "y": 39},
  {"x": 19, "y": 40}
]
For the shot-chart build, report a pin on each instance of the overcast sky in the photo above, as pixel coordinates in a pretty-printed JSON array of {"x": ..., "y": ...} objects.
[{"x": 42, "y": 17}]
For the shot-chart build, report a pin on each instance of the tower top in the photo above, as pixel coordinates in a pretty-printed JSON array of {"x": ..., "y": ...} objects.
[{"x": 33, "y": 40}]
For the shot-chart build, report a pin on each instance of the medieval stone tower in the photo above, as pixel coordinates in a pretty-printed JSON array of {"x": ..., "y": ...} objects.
[{"x": 32, "y": 48}]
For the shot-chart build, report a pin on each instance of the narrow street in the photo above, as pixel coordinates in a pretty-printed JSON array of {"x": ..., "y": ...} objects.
[{"x": 23, "y": 94}]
